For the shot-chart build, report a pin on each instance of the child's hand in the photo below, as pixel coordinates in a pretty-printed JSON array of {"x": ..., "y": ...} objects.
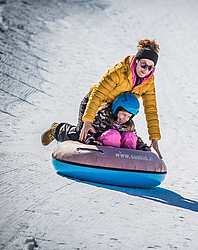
[
  {"x": 98, "y": 143},
  {"x": 147, "y": 149}
]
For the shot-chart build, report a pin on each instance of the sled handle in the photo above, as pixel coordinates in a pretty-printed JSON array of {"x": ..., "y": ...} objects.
[{"x": 91, "y": 149}]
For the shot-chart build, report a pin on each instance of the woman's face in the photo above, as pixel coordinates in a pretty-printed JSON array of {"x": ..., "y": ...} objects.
[
  {"x": 145, "y": 69},
  {"x": 123, "y": 116}
]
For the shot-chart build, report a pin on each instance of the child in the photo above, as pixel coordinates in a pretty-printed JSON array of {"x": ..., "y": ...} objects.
[{"x": 113, "y": 126}]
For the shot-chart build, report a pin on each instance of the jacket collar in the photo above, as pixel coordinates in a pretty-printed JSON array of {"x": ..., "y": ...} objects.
[{"x": 133, "y": 66}]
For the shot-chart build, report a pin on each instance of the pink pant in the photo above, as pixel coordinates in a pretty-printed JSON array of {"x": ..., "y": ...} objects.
[{"x": 114, "y": 139}]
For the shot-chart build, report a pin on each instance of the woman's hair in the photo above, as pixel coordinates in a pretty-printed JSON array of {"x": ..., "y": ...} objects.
[
  {"x": 113, "y": 117},
  {"x": 149, "y": 44}
]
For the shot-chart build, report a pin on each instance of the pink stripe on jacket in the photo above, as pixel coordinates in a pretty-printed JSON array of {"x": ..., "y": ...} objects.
[{"x": 133, "y": 66}]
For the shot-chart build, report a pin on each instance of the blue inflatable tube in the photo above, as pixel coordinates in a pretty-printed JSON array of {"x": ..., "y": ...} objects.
[{"x": 106, "y": 165}]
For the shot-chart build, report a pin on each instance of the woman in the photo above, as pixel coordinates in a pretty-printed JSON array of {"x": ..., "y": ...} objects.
[{"x": 135, "y": 74}]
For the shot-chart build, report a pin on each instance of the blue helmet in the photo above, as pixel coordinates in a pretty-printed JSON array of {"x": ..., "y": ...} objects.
[{"x": 128, "y": 101}]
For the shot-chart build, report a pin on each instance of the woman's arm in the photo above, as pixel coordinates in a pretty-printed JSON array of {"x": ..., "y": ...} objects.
[
  {"x": 150, "y": 110},
  {"x": 87, "y": 126},
  {"x": 97, "y": 95},
  {"x": 100, "y": 92}
]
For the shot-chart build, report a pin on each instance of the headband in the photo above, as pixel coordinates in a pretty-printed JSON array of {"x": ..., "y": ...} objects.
[{"x": 147, "y": 54}]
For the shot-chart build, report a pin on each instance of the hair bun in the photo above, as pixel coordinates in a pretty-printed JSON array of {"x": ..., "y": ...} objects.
[{"x": 148, "y": 44}]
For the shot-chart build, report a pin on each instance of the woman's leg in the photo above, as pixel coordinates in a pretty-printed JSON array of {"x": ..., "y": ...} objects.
[
  {"x": 65, "y": 132},
  {"x": 82, "y": 108}
]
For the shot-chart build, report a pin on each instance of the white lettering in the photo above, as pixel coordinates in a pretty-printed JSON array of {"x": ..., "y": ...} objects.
[{"x": 135, "y": 157}]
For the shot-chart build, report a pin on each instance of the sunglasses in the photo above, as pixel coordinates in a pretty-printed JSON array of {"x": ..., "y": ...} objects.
[{"x": 145, "y": 66}]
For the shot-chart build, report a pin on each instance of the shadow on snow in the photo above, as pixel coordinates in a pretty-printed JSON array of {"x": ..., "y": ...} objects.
[{"x": 156, "y": 194}]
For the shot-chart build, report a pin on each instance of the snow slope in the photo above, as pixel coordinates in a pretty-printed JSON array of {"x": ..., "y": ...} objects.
[{"x": 51, "y": 53}]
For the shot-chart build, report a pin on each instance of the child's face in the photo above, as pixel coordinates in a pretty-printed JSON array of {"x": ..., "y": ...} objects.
[{"x": 123, "y": 116}]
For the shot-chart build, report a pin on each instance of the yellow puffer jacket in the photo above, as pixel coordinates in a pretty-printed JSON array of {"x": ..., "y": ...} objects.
[{"x": 117, "y": 80}]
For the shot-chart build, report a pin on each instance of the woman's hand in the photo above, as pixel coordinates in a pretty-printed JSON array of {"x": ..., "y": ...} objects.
[
  {"x": 87, "y": 126},
  {"x": 154, "y": 144}
]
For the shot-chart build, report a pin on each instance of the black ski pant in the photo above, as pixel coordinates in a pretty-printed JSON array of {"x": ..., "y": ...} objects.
[{"x": 65, "y": 131}]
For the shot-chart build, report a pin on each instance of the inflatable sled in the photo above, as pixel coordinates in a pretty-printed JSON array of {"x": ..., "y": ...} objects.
[{"x": 108, "y": 165}]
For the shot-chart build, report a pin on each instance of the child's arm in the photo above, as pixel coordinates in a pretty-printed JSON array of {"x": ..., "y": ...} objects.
[
  {"x": 91, "y": 140},
  {"x": 141, "y": 145}
]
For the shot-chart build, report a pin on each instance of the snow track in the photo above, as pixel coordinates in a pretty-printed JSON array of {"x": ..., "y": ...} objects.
[{"x": 51, "y": 53}]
